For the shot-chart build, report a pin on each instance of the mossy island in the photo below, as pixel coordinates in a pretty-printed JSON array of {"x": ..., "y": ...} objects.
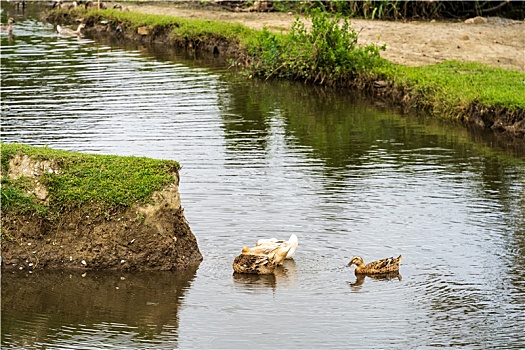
[{"x": 65, "y": 209}]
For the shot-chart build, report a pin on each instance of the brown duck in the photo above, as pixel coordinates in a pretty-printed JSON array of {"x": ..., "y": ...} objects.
[{"x": 387, "y": 265}]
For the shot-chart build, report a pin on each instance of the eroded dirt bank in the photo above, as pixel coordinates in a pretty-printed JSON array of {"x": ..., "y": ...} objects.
[{"x": 154, "y": 236}]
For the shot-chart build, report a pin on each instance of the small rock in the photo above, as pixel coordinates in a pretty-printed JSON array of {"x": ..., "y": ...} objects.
[
  {"x": 476, "y": 20},
  {"x": 142, "y": 31},
  {"x": 83, "y": 262}
]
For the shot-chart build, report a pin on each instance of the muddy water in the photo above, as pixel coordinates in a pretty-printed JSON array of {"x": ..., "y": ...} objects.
[{"x": 264, "y": 159}]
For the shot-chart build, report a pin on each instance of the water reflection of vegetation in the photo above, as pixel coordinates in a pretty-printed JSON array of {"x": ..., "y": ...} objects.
[
  {"x": 340, "y": 126},
  {"x": 345, "y": 131},
  {"x": 47, "y": 302}
]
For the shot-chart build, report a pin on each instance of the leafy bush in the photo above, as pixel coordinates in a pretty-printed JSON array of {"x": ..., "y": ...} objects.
[{"x": 328, "y": 53}]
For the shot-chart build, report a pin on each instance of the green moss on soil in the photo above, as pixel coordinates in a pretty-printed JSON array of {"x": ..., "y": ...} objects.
[{"x": 76, "y": 179}]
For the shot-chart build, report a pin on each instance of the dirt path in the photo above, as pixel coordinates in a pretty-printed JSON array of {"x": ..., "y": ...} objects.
[{"x": 499, "y": 42}]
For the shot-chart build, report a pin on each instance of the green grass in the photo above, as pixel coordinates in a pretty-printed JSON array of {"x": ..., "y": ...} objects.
[
  {"x": 14, "y": 198},
  {"x": 101, "y": 181},
  {"x": 190, "y": 29},
  {"x": 455, "y": 84}
]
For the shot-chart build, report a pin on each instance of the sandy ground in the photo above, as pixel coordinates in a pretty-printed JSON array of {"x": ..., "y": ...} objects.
[{"x": 499, "y": 42}]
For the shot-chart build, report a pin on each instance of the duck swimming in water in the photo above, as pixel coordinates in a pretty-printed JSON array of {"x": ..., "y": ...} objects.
[
  {"x": 260, "y": 260},
  {"x": 274, "y": 242},
  {"x": 382, "y": 266},
  {"x": 66, "y": 31},
  {"x": 9, "y": 26},
  {"x": 255, "y": 264}
]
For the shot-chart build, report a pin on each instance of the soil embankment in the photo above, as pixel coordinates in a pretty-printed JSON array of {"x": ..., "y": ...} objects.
[{"x": 148, "y": 235}]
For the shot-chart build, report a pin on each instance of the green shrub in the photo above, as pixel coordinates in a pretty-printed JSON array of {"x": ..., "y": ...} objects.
[{"x": 325, "y": 54}]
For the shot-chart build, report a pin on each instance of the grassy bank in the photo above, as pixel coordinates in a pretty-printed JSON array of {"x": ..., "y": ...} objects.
[
  {"x": 463, "y": 91},
  {"x": 70, "y": 179},
  {"x": 82, "y": 211},
  {"x": 328, "y": 54}
]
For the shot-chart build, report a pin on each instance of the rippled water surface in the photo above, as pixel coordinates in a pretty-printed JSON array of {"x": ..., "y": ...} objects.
[{"x": 264, "y": 159}]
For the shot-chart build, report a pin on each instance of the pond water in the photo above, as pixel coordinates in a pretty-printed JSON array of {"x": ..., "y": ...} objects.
[{"x": 268, "y": 159}]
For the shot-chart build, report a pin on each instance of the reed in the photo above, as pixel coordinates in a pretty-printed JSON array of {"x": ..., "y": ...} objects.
[{"x": 420, "y": 9}]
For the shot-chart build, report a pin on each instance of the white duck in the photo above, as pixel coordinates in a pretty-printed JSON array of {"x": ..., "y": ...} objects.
[
  {"x": 274, "y": 242},
  {"x": 260, "y": 260},
  {"x": 67, "y": 31}
]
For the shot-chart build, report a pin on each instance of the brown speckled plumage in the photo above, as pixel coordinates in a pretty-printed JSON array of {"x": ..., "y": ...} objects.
[
  {"x": 260, "y": 260},
  {"x": 257, "y": 264},
  {"x": 379, "y": 266}
]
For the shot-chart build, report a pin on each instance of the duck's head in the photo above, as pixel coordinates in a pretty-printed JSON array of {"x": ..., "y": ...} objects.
[
  {"x": 356, "y": 260},
  {"x": 10, "y": 21}
]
